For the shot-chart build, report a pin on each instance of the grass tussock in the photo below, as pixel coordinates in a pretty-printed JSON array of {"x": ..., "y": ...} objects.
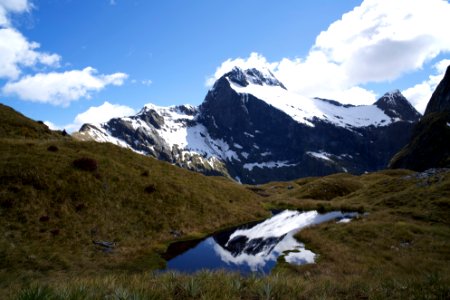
[{"x": 225, "y": 285}]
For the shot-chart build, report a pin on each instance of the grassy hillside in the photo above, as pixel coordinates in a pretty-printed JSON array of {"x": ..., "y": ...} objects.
[
  {"x": 403, "y": 240},
  {"x": 57, "y": 195}
]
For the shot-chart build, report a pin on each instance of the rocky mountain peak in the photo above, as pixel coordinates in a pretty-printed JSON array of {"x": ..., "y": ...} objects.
[
  {"x": 253, "y": 76},
  {"x": 250, "y": 128},
  {"x": 395, "y": 105}
]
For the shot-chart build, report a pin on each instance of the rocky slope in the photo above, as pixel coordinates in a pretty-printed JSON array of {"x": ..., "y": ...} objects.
[
  {"x": 429, "y": 146},
  {"x": 252, "y": 129}
]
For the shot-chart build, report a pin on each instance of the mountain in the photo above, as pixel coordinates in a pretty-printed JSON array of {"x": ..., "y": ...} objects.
[
  {"x": 429, "y": 146},
  {"x": 254, "y": 130}
]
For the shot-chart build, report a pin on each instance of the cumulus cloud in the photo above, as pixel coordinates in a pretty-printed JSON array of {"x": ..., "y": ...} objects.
[
  {"x": 103, "y": 113},
  {"x": 381, "y": 40},
  {"x": 14, "y": 6},
  {"x": 377, "y": 41},
  {"x": 17, "y": 52},
  {"x": 420, "y": 94},
  {"x": 62, "y": 88},
  {"x": 57, "y": 88},
  {"x": 95, "y": 115}
]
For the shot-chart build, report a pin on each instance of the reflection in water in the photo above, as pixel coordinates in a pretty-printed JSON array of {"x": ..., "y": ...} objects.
[{"x": 257, "y": 248}]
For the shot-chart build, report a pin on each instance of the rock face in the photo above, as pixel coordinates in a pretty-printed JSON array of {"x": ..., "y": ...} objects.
[
  {"x": 440, "y": 100},
  {"x": 429, "y": 146},
  {"x": 252, "y": 129}
]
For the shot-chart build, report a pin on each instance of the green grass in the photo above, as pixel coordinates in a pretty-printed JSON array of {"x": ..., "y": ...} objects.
[
  {"x": 52, "y": 207},
  {"x": 57, "y": 195},
  {"x": 226, "y": 285}
]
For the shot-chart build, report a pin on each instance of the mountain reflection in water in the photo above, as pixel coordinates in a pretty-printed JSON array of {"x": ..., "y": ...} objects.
[{"x": 255, "y": 248}]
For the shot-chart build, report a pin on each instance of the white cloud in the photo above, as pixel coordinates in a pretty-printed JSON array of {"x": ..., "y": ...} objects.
[
  {"x": 15, "y": 6},
  {"x": 103, "y": 113},
  {"x": 62, "y": 88},
  {"x": 57, "y": 88},
  {"x": 95, "y": 115},
  {"x": 377, "y": 41},
  {"x": 52, "y": 126},
  {"x": 420, "y": 94},
  {"x": 381, "y": 40},
  {"x": 16, "y": 52}
]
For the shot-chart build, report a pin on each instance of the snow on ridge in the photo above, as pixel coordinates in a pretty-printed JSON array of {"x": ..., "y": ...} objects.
[
  {"x": 320, "y": 155},
  {"x": 304, "y": 109},
  {"x": 268, "y": 164},
  {"x": 391, "y": 96},
  {"x": 192, "y": 139},
  {"x": 101, "y": 135}
]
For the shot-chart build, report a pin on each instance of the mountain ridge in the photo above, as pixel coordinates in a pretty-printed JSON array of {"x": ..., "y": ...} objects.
[{"x": 252, "y": 129}]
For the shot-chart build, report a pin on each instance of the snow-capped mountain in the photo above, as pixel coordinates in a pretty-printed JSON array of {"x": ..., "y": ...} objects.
[{"x": 254, "y": 130}]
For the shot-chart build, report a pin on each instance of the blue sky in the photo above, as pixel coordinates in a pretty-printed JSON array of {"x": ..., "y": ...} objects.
[{"x": 132, "y": 52}]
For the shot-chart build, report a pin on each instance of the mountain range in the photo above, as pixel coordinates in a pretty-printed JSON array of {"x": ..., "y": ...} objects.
[{"x": 251, "y": 128}]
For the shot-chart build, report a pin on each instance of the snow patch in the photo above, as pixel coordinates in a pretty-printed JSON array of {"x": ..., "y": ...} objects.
[
  {"x": 304, "y": 110},
  {"x": 320, "y": 155},
  {"x": 269, "y": 164}
]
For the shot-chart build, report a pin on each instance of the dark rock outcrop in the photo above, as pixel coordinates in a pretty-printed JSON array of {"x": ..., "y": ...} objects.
[{"x": 429, "y": 146}]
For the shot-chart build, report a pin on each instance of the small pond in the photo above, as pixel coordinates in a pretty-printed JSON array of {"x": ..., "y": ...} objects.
[{"x": 253, "y": 247}]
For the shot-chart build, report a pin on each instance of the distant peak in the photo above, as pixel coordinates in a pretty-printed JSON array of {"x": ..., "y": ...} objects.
[
  {"x": 253, "y": 76},
  {"x": 395, "y": 105},
  {"x": 392, "y": 98},
  {"x": 393, "y": 92}
]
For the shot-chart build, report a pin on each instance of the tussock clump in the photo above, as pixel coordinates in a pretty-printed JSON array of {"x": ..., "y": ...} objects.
[
  {"x": 52, "y": 148},
  {"x": 149, "y": 189},
  {"x": 85, "y": 164}
]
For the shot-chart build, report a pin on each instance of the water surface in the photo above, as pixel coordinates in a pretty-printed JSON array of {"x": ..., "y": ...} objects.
[{"x": 253, "y": 247}]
